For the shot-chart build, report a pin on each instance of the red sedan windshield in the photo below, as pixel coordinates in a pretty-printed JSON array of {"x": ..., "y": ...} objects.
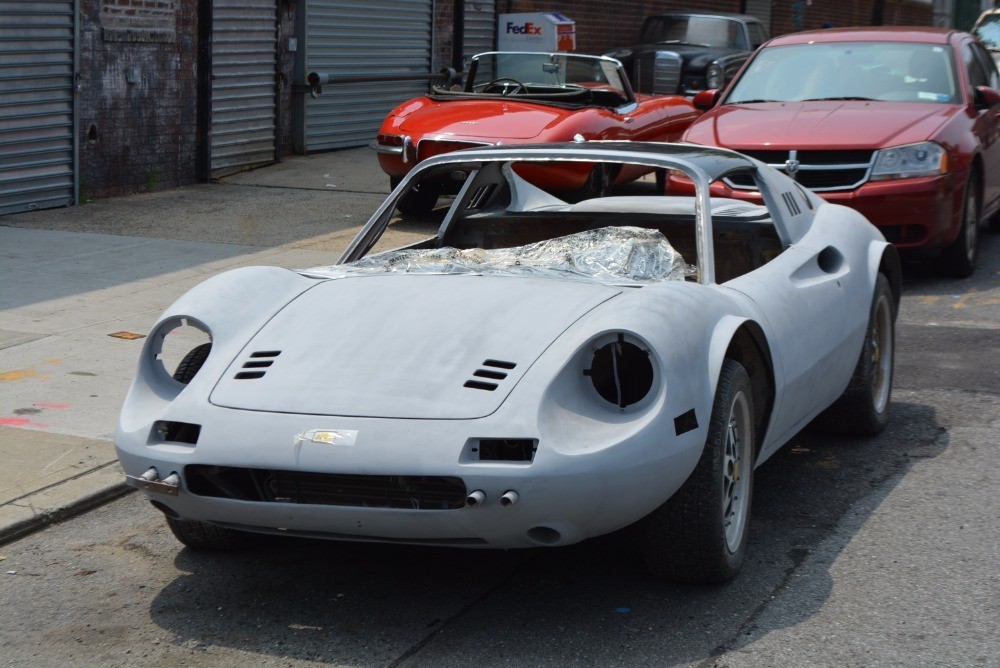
[{"x": 890, "y": 71}]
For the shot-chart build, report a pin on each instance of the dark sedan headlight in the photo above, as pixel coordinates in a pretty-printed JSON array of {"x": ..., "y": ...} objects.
[
  {"x": 715, "y": 77},
  {"x": 903, "y": 162}
]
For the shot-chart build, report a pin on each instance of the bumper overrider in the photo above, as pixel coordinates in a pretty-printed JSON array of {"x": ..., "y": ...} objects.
[{"x": 333, "y": 478}]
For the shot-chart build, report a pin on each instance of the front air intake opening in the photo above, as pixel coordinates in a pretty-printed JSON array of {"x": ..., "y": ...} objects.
[
  {"x": 166, "y": 431},
  {"x": 507, "y": 449},
  {"x": 331, "y": 489}
]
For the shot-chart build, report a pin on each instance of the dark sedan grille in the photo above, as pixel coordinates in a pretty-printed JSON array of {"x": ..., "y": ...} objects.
[
  {"x": 818, "y": 170},
  {"x": 330, "y": 489},
  {"x": 657, "y": 72}
]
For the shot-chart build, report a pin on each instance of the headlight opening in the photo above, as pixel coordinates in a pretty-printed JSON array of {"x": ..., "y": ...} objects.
[
  {"x": 621, "y": 370},
  {"x": 172, "y": 342}
]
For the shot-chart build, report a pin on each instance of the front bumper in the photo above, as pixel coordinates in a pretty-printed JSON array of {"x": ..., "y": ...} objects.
[{"x": 562, "y": 497}]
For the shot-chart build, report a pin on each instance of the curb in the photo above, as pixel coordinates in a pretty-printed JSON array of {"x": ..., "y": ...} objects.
[{"x": 18, "y": 530}]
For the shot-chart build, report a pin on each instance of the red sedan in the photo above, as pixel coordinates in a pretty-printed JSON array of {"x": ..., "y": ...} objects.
[
  {"x": 899, "y": 123},
  {"x": 521, "y": 98}
]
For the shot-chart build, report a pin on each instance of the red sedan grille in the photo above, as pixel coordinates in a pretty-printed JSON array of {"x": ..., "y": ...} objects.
[
  {"x": 430, "y": 147},
  {"x": 818, "y": 170}
]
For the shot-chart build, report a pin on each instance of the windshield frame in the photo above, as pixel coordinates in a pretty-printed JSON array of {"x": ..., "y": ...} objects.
[{"x": 610, "y": 69}]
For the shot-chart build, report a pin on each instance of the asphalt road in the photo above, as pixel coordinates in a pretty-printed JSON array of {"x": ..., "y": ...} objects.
[{"x": 873, "y": 552}]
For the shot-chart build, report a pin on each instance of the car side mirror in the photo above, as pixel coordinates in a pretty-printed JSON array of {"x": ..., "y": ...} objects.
[
  {"x": 706, "y": 99},
  {"x": 984, "y": 97}
]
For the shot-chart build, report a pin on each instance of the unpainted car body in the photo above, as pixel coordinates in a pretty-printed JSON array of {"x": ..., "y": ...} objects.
[
  {"x": 898, "y": 123},
  {"x": 520, "y": 98},
  {"x": 687, "y": 52},
  {"x": 534, "y": 373}
]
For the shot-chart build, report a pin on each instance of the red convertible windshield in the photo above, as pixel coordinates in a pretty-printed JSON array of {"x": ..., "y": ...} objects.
[
  {"x": 890, "y": 71},
  {"x": 519, "y": 73}
]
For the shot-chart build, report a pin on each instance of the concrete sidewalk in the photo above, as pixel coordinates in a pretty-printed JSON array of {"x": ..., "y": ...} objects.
[{"x": 81, "y": 286}]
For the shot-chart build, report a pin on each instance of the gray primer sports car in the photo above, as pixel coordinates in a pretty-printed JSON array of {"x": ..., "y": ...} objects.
[{"x": 533, "y": 373}]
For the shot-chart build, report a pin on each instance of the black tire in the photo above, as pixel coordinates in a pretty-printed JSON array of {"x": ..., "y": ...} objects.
[
  {"x": 599, "y": 182},
  {"x": 191, "y": 363},
  {"x": 206, "y": 536},
  {"x": 959, "y": 259},
  {"x": 661, "y": 181},
  {"x": 863, "y": 408},
  {"x": 692, "y": 537},
  {"x": 420, "y": 200}
]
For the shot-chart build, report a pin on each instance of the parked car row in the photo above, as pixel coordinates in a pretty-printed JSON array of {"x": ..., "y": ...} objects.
[{"x": 901, "y": 124}]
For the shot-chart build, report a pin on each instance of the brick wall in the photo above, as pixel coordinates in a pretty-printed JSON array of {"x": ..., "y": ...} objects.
[
  {"x": 602, "y": 25},
  {"x": 138, "y": 101},
  {"x": 797, "y": 15}
]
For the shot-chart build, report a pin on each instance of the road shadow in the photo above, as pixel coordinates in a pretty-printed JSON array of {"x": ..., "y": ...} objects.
[{"x": 588, "y": 604}]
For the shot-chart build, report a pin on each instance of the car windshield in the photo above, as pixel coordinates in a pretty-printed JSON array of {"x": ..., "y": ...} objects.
[
  {"x": 543, "y": 72},
  {"x": 988, "y": 31},
  {"x": 714, "y": 31},
  {"x": 891, "y": 71}
]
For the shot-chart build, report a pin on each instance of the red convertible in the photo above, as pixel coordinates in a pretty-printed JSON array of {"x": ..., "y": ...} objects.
[
  {"x": 522, "y": 98},
  {"x": 901, "y": 124}
]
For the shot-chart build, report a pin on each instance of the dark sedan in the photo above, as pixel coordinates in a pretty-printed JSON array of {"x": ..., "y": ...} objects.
[{"x": 686, "y": 52}]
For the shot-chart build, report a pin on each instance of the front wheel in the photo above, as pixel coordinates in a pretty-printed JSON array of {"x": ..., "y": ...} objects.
[
  {"x": 206, "y": 536},
  {"x": 959, "y": 259},
  {"x": 699, "y": 534},
  {"x": 420, "y": 200},
  {"x": 863, "y": 408}
]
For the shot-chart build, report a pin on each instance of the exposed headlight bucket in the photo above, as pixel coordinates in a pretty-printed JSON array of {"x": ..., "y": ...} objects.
[
  {"x": 173, "y": 340},
  {"x": 903, "y": 162},
  {"x": 715, "y": 77},
  {"x": 620, "y": 369}
]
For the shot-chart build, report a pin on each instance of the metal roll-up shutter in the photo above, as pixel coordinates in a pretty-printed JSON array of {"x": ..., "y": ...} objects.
[
  {"x": 37, "y": 115},
  {"x": 480, "y": 27},
  {"x": 761, "y": 9},
  {"x": 378, "y": 37},
  {"x": 244, "y": 83}
]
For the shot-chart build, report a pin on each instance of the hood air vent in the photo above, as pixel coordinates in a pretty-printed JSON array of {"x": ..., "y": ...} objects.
[
  {"x": 258, "y": 361},
  {"x": 494, "y": 370}
]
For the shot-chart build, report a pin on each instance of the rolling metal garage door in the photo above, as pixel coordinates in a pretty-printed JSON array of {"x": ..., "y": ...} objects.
[
  {"x": 378, "y": 37},
  {"x": 762, "y": 10},
  {"x": 244, "y": 83},
  {"x": 37, "y": 109},
  {"x": 480, "y": 27}
]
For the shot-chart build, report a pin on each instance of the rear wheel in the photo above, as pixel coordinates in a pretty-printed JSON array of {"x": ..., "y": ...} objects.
[
  {"x": 700, "y": 534},
  {"x": 863, "y": 408},
  {"x": 420, "y": 199},
  {"x": 959, "y": 259},
  {"x": 599, "y": 181}
]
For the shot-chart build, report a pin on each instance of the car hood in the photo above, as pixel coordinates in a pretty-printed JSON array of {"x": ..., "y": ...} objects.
[
  {"x": 819, "y": 125},
  {"x": 404, "y": 346},
  {"x": 494, "y": 119}
]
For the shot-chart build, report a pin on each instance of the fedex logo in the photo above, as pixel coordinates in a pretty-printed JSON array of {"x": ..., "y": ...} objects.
[{"x": 528, "y": 28}]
